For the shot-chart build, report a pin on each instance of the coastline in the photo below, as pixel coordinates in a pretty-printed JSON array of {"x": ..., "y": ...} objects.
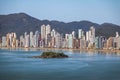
[{"x": 82, "y": 50}]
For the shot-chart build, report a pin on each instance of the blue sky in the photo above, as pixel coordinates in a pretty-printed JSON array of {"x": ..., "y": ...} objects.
[{"x": 98, "y": 11}]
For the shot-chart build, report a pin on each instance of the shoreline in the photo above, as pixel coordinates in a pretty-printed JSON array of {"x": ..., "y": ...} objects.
[{"x": 83, "y": 50}]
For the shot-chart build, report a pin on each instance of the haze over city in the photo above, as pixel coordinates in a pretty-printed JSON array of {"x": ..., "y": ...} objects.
[
  {"x": 36, "y": 45},
  {"x": 98, "y": 11}
]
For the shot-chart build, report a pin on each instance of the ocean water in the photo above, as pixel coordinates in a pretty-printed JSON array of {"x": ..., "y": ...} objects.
[{"x": 18, "y": 65}]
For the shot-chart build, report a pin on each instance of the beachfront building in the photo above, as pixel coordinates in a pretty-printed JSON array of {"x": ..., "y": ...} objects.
[
  {"x": 36, "y": 39},
  {"x": 117, "y": 41},
  {"x": 99, "y": 42},
  {"x": 26, "y": 41},
  {"x": 21, "y": 43},
  {"x": 11, "y": 39},
  {"x": 14, "y": 36},
  {"x": 17, "y": 43},
  {"x": 73, "y": 34},
  {"x": 0, "y": 42},
  {"x": 3, "y": 41},
  {"x": 58, "y": 40},
  {"x": 48, "y": 30},
  {"x": 31, "y": 39},
  {"x": 110, "y": 41},
  {"x": 53, "y": 33},
  {"x": 45, "y": 32},
  {"x": 75, "y": 43},
  {"x": 8, "y": 40},
  {"x": 80, "y": 33},
  {"x": 82, "y": 43},
  {"x": 70, "y": 41},
  {"x": 87, "y": 36},
  {"x": 90, "y": 37}
]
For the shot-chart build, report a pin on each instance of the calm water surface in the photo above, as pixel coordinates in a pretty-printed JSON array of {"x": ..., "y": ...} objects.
[{"x": 17, "y": 65}]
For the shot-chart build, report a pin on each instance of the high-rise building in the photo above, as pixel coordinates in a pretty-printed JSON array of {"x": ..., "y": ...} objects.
[
  {"x": 63, "y": 43},
  {"x": 73, "y": 34},
  {"x": 70, "y": 41},
  {"x": 11, "y": 39},
  {"x": 43, "y": 32},
  {"x": 22, "y": 41},
  {"x": 82, "y": 43},
  {"x": 80, "y": 33},
  {"x": 75, "y": 43},
  {"x": 3, "y": 41},
  {"x": 66, "y": 40},
  {"x": 99, "y": 42},
  {"x": 58, "y": 40},
  {"x": 36, "y": 39},
  {"x": 27, "y": 41},
  {"x": 53, "y": 33},
  {"x": 31, "y": 39},
  {"x": 110, "y": 42},
  {"x": 117, "y": 41},
  {"x": 90, "y": 37},
  {"x": 7, "y": 40},
  {"x": 117, "y": 35},
  {"x": 14, "y": 36},
  {"x": 17, "y": 42},
  {"x": 92, "y": 34},
  {"x": 48, "y": 29}
]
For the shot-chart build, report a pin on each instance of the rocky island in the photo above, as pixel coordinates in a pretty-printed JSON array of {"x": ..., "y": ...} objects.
[{"x": 51, "y": 55}]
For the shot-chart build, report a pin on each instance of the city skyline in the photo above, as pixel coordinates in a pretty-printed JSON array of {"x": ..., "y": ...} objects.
[
  {"x": 59, "y": 39},
  {"x": 66, "y": 11},
  {"x": 52, "y": 39}
]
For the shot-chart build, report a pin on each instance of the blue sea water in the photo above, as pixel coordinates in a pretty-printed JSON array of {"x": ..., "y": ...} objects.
[{"x": 18, "y": 65}]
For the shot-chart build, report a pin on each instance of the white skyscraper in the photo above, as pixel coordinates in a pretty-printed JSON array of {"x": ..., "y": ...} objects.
[
  {"x": 43, "y": 32},
  {"x": 70, "y": 41},
  {"x": 36, "y": 39},
  {"x": 92, "y": 35},
  {"x": 80, "y": 33},
  {"x": 3, "y": 41},
  {"x": 11, "y": 39},
  {"x": 73, "y": 34},
  {"x": 53, "y": 32},
  {"x": 48, "y": 29},
  {"x": 117, "y": 35},
  {"x": 27, "y": 41},
  {"x": 87, "y": 36},
  {"x": 57, "y": 40},
  {"x": 31, "y": 39},
  {"x": 22, "y": 41},
  {"x": 66, "y": 39}
]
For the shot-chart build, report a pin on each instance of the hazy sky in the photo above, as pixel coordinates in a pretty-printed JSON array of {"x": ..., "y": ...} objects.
[{"x": 98, "y": 11}]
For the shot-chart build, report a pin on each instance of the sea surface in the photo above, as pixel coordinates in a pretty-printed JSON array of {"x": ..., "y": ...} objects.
[{"x": 17, "y": 64}]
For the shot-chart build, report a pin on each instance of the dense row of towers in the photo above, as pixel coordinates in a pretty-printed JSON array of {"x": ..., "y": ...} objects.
[{"x": 50, "y": 38}]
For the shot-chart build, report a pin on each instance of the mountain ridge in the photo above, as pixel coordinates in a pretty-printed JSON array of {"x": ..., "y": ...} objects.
[{"x": 22, "y": 22}]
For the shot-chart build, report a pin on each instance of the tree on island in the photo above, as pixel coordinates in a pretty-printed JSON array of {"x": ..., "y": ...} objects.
[{"x": 51, "y": 55}]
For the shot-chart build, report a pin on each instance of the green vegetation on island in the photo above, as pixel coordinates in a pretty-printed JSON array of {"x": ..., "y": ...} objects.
[{"x": 51, "y": 55}]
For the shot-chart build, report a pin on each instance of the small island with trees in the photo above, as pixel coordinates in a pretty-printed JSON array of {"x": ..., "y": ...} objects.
[{"x": 52, "y": 55}]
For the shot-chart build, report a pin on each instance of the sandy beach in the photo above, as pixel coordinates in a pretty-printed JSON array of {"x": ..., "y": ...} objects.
[{"x": 83, "y": 50}]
